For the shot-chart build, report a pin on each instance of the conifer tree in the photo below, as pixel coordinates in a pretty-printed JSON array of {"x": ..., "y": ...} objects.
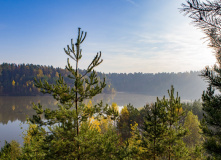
[
  {"x": 162, "y": 132},
  {"x": 175, "y": 145},
  {"x": 10, "y": 151},
  {"x": 206, "y": 15},
  {"x": 211, "y": 124},
  {"x": 154, "y": 129},
  {"x": 66, "y": 133}
]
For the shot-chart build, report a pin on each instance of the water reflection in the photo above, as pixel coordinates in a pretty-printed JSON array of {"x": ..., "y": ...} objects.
[
  {"x": 19, "y": 108},
  {"x": 15, "y": 110}
]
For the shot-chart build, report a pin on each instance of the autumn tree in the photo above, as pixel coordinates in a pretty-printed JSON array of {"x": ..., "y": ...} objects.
[
  {"x": 206, "y": 16},
  {"x": 129, "y": 116},
  {"x": 123, "y": 123},
  {"x": 193, "y": 139},
  {"x": 192, "y": 124}
]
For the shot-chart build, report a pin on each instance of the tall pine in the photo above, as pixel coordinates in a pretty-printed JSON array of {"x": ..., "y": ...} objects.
[{"x": 66, "y": 132}]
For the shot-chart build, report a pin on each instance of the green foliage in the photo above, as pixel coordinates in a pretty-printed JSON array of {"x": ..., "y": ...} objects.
[
  {"x": 195, "y": 107},
  {"x": 128, "y": 117},
  {"x": 134, "y": 115},
  {"x": 34, "y": 139},
  {"x": 206, "y": 15},
  {"x": 10, "y": 151},
  {"x": 188, "y": 83},
  {"x": 123, "y": 123},
  {"x": 162, "y": 132},
  {"x": 211, "y": 125},
  {"x": 65, "y": 133},
  {"x": 96, "y": 145},
  {"x": 154, "y": 130},
  {"x": 175, "y": 147},
  {"x": 23, "y": 76},
  {"x": 193, "y": 137}
]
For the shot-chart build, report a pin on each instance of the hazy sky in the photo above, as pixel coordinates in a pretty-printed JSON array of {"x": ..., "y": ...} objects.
[{"x": 146, "y": 36}]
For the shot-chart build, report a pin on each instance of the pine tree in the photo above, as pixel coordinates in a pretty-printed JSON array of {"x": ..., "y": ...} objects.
[
  {"x": 154, "y": 129},
  {"x": 206, "y": 15},
  {"x": 10, "y": 151},
  {"x": 211, "y": 124},
  {"x": 162, "y": 131},
  {"x": 66, "y": 133},
  {"x": 174, "y": 144}
]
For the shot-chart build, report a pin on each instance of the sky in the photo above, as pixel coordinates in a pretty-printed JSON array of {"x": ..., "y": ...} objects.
[{"x": 148, "y": 36}]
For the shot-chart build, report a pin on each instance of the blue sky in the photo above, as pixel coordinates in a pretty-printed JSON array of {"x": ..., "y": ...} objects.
[{"x": 148, "y": 36}]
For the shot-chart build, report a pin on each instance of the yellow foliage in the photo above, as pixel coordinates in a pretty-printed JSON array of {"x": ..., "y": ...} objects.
[
  {"x": 101, "y": 125},
  {"x": 115, "y": 107},
  {"x": 56, "y": 74},
  {"x": 28, "y": 107},
  {"x": 135, "y": 140},
  {"x": 95, "y": 124},
  {"x": 29, "y": 134},
  {"x": 192, "y": 124},
  {"x": 133, "y": 128},
  {"x": 40, "y": 73},
  {"x": 13, "y": 107},
  {"x": 179, "y": 110},
  {"x": 105, "y": 123},
  {"x": 89, "y": 104},
  {"x": 124, "y": 113},
  {"x": 13, "y": 83}
]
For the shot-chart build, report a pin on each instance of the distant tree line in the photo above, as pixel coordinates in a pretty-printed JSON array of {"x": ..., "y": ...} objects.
[
  {"x": 17, "y": 79},
  {"x": 189, "y": 84}
]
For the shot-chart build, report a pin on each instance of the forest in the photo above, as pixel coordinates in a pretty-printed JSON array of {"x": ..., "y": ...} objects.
[
  {"x": 189, "y": 84},
  {"x": 164, "y": 130},
  {"x": 18, "y": 80}
]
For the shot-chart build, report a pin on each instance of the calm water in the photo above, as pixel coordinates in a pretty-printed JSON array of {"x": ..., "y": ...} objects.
[{"x": 15, "y": 110}]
